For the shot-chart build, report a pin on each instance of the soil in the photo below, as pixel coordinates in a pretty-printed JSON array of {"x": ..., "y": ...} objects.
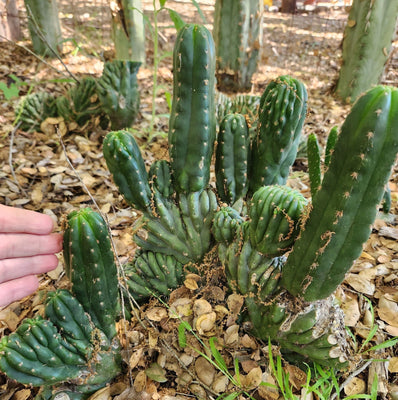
[{"x": 62, "y": 169}]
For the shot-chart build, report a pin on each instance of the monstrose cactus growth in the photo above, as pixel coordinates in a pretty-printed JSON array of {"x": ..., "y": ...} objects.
[
  {"x": 283, "y": 254},
  {"x": 75, "y": 344}
]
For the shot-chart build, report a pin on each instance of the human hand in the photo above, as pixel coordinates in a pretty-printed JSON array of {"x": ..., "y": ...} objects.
[{"x": 27, "y": 248}]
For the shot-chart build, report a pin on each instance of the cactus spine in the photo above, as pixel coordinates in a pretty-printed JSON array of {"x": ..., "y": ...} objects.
[
  {"x": 282, "y": 112},
  {"x": 366, "y": 46},
  {"x": 345, "y": 206},
  {"x": 192, "y": 127},
  {"x": 237, "y": 35}
]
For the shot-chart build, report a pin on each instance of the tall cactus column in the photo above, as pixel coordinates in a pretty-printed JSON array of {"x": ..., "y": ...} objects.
[
  {"x": 366, "y": 46},
  {"x": 237, "y": 35},
  {"x": 344, "y": 208}
]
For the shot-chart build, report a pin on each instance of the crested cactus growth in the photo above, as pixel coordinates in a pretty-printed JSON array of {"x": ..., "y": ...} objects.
[
  {"x": 232, "y": 153},
  {"x": 192, "y": 127},
  {"x": 275, "y": 214},
  {"x": 118, "y": 92},
  {"x": 80, "y": 103},
  {"x": 367, "y": 41},
  {"x": 33, "y": 109},
  {"x": 76, "y": 345},
  {"x": 237, "y": 34},
  {"x": 226, "y": 224},
  {"x": 282, "y": 111},
  {"x": 285, "y": 263},
  {"x": 153, "y": 273},
  {"x": 345, "y": 206},
  {"x": 245, "y": 104}
]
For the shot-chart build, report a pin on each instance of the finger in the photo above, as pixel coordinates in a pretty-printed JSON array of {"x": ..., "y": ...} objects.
[
  {"x": 24, "y": 221},
  {"x": 14, "y": 268},
  {"x": 17, "y": 289},
  {"x": 15, "y": 245}
]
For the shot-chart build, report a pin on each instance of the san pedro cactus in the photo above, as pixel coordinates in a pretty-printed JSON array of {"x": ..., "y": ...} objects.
[
  {"x": 282, "y": 112},
  {"x": 367, "y": 41},
  {"x": 118, "y": 92},
  {"x": 192, "y": 127},
  {"x": 237, "y": 34},
  {"x": 90, "y": 266},
  {"x": 232, "y": 153},
  {"x": 80, "y": 103},
  {"x": 124, "y": 160},
  {"x": 76, "y": 343},
  {"x": 44, "y": 27},
  {"x": 33, "y": 109},
  {"x": 314, "y": 163},
  {"x": 345, "y": 206}
]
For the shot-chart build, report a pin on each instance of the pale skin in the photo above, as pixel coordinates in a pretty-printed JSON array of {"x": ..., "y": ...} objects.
[{"x": 27, "y": 248}]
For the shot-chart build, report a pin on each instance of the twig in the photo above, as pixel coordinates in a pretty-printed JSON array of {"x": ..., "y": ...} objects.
[
  {"x": 39, "y": 58},
  {"x": 350, "y": 377},
  {"x": 12, "y": 134},
  {"x": 44, "y": 39}
]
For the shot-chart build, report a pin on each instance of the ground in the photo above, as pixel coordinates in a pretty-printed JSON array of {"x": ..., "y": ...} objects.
[{"x": 54, "y": 175}]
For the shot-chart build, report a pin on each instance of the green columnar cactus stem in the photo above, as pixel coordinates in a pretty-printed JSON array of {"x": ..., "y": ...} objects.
[
  {"x": 192, "y": 127},
  {"x": 125, "y": 162},
  {"x": 81, "y": 102},
  {"x": 90, "y": 265},
  {"x": 367, "y": 41},
  {"x": 153, "y": 273},
  {"x": 314, "y": 163},
  {"x": 275, "y": 216},
  {"x": 33, "y": 109},
  {"x": 237, "y": 34},
  {"x": 345, "y": 206},
  {"x": 232, "y": 152},
  {"x": 226, "y": 224},
  {"x": 282, "y": 111},
  {"x": 160, "y": 177},
  {"x": 44, "y": 27},
  {"x": 330, "y": 143},
  {"x": 118, "y": 92}
]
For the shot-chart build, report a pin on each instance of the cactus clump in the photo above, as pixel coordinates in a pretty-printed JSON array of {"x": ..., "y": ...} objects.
[
  {"x": 118, "y": 92},
  {"x": 75, "y": 344},
  {"x": 81, "y": 103},
  {"x": 33, "y": 109}
]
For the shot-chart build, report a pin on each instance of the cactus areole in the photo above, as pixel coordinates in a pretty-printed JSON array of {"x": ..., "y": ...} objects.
[
  {"x": 192, "y": 127},
  {"x": 345, "y": 206}
]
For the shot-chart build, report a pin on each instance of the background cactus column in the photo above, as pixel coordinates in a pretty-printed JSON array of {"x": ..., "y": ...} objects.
[
  {"x": 237, "y": 35},
  {"x": 366, "y": 46},
  {"x": 44, "y": 26}
]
